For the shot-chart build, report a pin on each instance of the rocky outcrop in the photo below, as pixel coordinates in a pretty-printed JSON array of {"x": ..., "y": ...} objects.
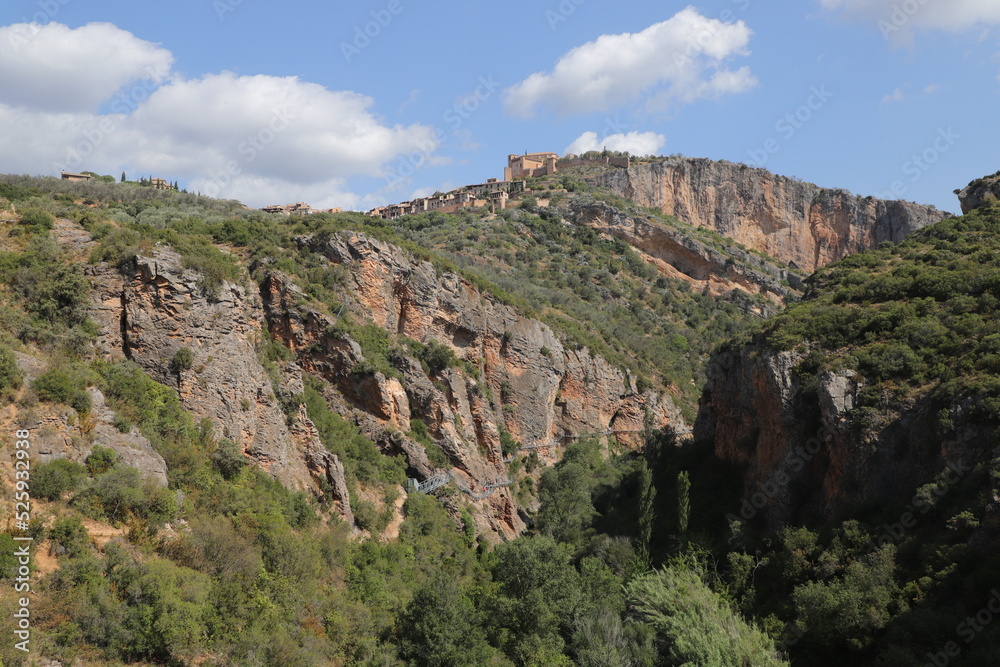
[
  {"x": 981, "y": 191},
  {"x": 61, "y": 434},
  {"x": 547, "y": 390},
  {"x": 458, "y": 417},
  {"x": 522, "y": 380},
  {"x": 132, "y": 448},
  {"x": 697, "y": 261},
  {"x": 807, "y": 450},
  {"x": 156, "y": 307},
  {"x": 795, "y": 222}
]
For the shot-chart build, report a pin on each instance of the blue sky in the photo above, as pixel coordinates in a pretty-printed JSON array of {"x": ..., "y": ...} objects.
[{"x": 372, "y": 102}]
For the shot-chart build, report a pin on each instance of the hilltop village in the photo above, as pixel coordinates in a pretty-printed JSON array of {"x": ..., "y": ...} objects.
[{"x": 494, "y": 193}]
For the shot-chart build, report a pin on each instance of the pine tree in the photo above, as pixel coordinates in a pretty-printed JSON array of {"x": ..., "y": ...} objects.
[
  {"x": 647, "y": 496},
  {"x": 123, "y": 177},
  {"x": 683, "y": 503}
]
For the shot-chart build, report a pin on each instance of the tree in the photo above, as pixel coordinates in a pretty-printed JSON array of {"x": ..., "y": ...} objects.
[
  {"x": 438, "y": 627},
  {"x": 693, "y": 625},
  {"x": 538, "y": 601},
  {"x": 167, "y": 605},
  {"x": 851, "y": 609},
  {"x": 683, "y": 503},
  {"x": 123, "y": 177},
  {"x": 567, "y": 491},
  {"x": 183, "y": 360},
  {"x": 647, "y": 511}
]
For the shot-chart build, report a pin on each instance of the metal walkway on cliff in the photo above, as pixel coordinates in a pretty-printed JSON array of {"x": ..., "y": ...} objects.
[
  {"x": 477, "y": 492},
  {"x": 430, "y": 484}
]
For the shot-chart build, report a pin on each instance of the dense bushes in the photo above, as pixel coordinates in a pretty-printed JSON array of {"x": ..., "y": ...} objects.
[
  {"x": 923, "y": 312},
  {"x": 65, "y": 383},
  {"x": 52, "y": 292},
  {"x": 693, "y": 625},
  {"x": 120, "y": 493},
  {"x": 37, "y": 220},
  {"x": 11, "y": 375},
  {"x": 50, "y": 480}
]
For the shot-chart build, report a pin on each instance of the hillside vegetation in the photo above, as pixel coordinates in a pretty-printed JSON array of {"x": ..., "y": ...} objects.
[
  {"x": 899, "y": 580},
  {"x": 227, "y": 566},
  {"x": 631, "y": 556}
]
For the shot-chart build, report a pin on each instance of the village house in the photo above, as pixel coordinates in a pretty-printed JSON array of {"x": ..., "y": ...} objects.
[
  {"x": 66, "y": 176},
  {"x": 161, "y": 184},
  {"x": 298, "y": 208},
  {"x": 493, "y": 193}
]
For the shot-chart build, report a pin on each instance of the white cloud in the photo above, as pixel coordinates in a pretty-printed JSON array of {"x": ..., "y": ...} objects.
[
  {"x": 261, "y": 139},
  {"x": 636, "y": 143},
  {"x": 897, "y": 21},
  {"x": 895, "y": 96},
  {"x": 55, "y": 68},
  {"x": 676, "y": 61},
  {"x": 902, "y": 93}
]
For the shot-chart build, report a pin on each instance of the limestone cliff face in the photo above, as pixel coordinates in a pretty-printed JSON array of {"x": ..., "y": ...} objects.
[
  {"x": 157, "y": 308},
  {"x": 675, "y": 252},
  {"x": 548, "y": 390},
  {"x": 793, "y": 221},
  {"x": 809, "y": 450},
  {"x": 980, "y": 191},
  {"x": 528, "y": 383}
]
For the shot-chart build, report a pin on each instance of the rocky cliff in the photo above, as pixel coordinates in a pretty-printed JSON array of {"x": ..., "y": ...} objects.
[
  {"x": 795, "y": 222},
  {"x": 155, "y": 307},
  {"x": 682, "y": 255},
  {"x": 806, "y": 449},
  {"x": 980, "y": 191},
  {"x": 522, "y": 380},
  {"x": 878, "y": 389}
]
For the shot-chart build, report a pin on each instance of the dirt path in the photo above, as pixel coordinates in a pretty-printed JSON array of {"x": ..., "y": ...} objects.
[
  {"x": 45, "y": 562},
  {"x": 102, "y": 533},
  {"x": 392, "y": 530}
]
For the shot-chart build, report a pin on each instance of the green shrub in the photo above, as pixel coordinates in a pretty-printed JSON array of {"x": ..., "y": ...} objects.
[
  {"x": 50, "y": 480},
  {"x": 437, "y": 456},
  {"x": 37, "y": 219},
  {"x": 17, "y": 193},
  {"x": 687, "y": 616},
  {"x": 438, "y": 356},
  {"x": 215, "y": 267},
  {"x": 100, "y": 460},
  {"x": 11, "y": 374},
  {"x": 65, "y": 384},
  {"x": 183, "y": 360},
  {"x": 69, "y": 533},
  {"x": 8, "y": 561},
  {"x": 508, "y": 444},
  {"x": 229, "y": 459},
  {"x": 120, "y": 494},
  {"x": 360, "y": 456},
  {"x": 117, "y": 247},
  {"x": 51, "y": 290},
  {"x": 366, "y": 516}
]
